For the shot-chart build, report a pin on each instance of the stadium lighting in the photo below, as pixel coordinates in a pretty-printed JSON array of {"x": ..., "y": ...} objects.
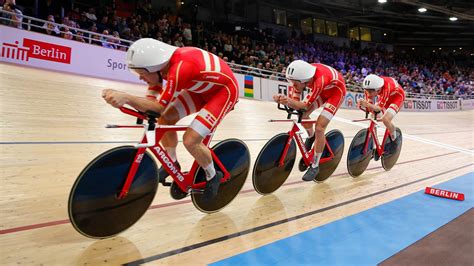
[
  {"x": 453, "y": 18},
  {"x": 422, "y": 10},
  {"x": 382, "y": 1}
]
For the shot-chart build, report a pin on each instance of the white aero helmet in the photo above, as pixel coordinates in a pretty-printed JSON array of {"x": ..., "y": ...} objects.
[
  {"x": 149, "y": 54},
  {"x": 372, "y": 82},
  {"x": 300, "y": 70}
]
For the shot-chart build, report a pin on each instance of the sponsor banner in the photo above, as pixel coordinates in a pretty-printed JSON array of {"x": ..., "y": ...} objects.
[
  {"x": 467, "y": 104},
  {"x": 272, "y": 87},
  {"x": 350, "y": 100},
  {"x": 444, "y": 193},
  {"x": 53, "y": 53},
  {"x": 428, "y": 105},
  {"x": 248, "y": 86}
]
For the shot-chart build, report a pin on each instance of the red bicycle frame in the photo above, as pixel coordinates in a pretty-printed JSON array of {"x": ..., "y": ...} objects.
[
  {"x": 183, "y": 179},
  {"x": 295, "y": 133},
  {"x": 372, "y": 130}
]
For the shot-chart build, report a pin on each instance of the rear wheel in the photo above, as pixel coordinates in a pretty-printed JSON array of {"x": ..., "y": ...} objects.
[
  {"x": 357, "y": 159},
  {"x": 235, "y": 157},
  {"x": 335, "y": 140},
  {"x": 391, "y": 151}
]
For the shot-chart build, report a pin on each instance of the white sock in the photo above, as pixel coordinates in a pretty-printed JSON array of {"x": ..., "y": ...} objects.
[
  {"x": 394, "y": 135},
  {"x": 172, "y": 153},
  {"x": 210, "y": 171},
  {"x": 316, "y": 159}
]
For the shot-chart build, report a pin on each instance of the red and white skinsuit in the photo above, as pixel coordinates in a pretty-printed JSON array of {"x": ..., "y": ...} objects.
[
  {"x": 328, "y": 89},
  {"x": 198, "y": 81},
  {"x": 390, "y": 96}
]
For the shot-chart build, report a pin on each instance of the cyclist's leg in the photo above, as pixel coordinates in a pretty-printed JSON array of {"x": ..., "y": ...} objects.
[
  {"x": 310, "y": 127},
  {"x": 183, "y": 105},
  {"x": 395, "y": 103},
  {"x": 330, "y": 108},
  {"x": 170, "y": 138},
  {"x": 218, "y": 105}
]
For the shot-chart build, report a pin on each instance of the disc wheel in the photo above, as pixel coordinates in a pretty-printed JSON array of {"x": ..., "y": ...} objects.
[
  {"x": 335, "y": 140},
  {"x": 267, "y": 175},
  {"x": 357, "y": 160},
  {"x": 391, "y": 151},
  {"x": 94, "y": 208},
  {"x": 235, "y": 157}
]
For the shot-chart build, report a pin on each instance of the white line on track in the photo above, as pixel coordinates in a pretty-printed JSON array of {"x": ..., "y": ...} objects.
[{"x": 411, "y": 137}]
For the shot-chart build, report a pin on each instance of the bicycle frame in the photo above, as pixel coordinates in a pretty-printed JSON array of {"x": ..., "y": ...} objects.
[
  {"x": 295, "y": 133},
  {"x": 372, "y": 129},
  {"x": 150, "y": 141}
]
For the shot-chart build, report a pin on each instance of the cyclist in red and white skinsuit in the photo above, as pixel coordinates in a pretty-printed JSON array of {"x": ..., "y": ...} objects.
[
  {"x": 390, "y": 99},
  {"x": 327, "y": 89},
  {"x": 196, "y": 81}
]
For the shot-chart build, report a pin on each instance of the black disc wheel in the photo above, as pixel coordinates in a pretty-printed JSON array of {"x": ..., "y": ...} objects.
[
  {"x": 391, "y": 151},
  {"x": 267, "y": 175},
  {"x": 94, "y": 208},
  {"x": 357, "y": 159},
  {"x": 235, "y": 157},
  {"x": 335, "y": 140}
]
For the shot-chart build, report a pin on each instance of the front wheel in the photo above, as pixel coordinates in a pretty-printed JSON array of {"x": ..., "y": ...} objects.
[
  {"x": 94, "y": 208},
  {"x": 267, "y": 175},
  {"x": 357, "y": 159},
  {"x": 235, "y": 157}
]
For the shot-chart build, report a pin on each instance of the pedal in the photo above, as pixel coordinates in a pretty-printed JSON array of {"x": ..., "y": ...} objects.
[
  {"x": 166, "y": 184},
  {"x": 197, "y": 191},
  {"x": 376, "y": 155},
  {"x": 176, "y": 192}
]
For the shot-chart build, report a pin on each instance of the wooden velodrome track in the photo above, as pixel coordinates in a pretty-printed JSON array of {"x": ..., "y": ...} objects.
[{"x": 52, "y": 125}]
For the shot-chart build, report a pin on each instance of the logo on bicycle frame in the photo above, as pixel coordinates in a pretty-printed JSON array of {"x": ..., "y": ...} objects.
[{"x": 168, "y": 163}]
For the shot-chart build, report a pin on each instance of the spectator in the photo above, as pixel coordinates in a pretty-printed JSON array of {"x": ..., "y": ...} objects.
[
  {"x": 12, "y": 20},
  {"x": 50, "y": 27}
]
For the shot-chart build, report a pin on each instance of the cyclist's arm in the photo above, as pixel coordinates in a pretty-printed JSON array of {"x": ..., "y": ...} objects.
[
  {"x": 144, "y": 104},
  {"x": 370, "y": 105},
  {"x": 315, "y": 92},
  {"x": 374, "y": 107},
  {"x": 297, "y": 105},
  {"x": 178, "y": 74}
]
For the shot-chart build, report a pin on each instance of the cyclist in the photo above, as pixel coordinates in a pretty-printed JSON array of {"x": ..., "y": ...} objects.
[
  {"x": 327, "y": 89},
  {"x": 196, "y": 81}
]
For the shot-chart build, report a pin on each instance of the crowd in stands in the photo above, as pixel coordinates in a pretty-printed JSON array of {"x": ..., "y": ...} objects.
[{"x": 265, "y": 53}]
